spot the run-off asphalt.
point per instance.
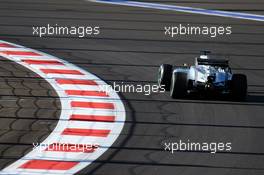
(129, 49)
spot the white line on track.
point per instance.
(247, 16)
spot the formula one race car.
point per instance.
(207, 76)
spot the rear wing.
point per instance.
(212, 62)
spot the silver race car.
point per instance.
(207, 76)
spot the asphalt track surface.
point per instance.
(29, 110)
(129, 49)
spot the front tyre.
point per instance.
(164, 76)
(179, 85)
(239, 87)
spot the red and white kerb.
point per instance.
(89, 116)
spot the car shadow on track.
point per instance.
(255, 98)
(251, 99)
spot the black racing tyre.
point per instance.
(179, 85)
(239, 87)
(164, 76)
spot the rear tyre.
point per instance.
(239, 87)
(179, 85)
(164, 76)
